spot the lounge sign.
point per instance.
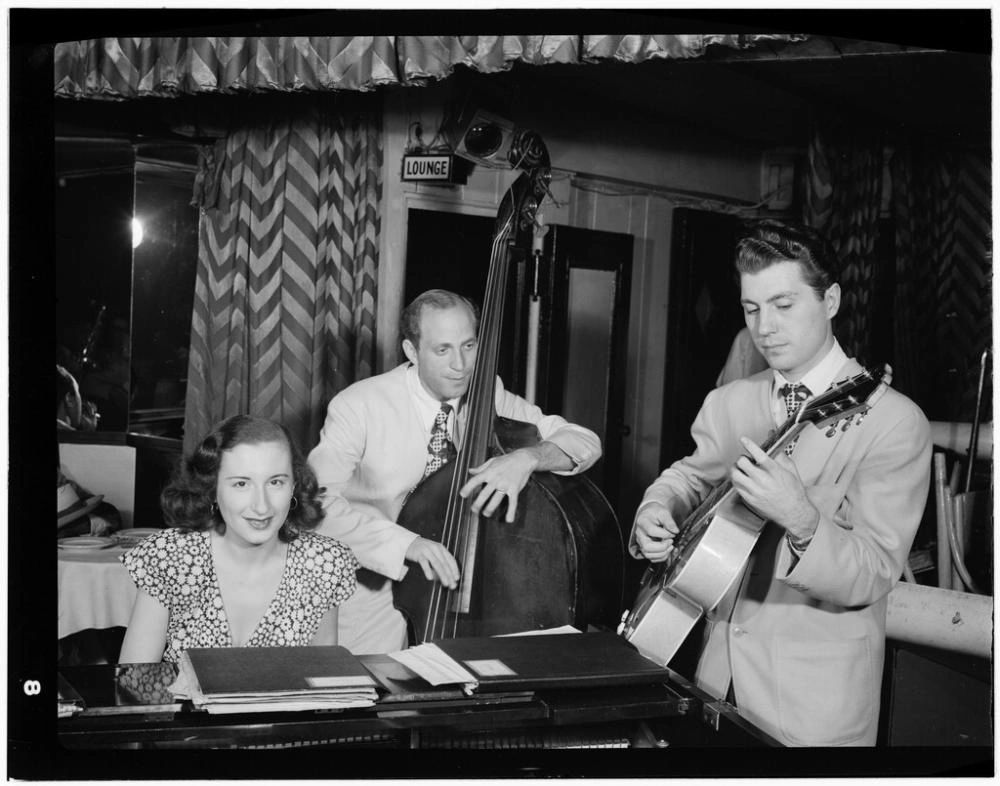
(423, 167)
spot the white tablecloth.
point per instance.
(95, 590)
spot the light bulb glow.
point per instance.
(136, 232)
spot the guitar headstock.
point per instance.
(854, 396)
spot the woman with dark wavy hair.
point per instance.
(239, 565)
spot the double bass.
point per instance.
(561, 561)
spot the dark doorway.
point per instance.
(703, 317)
(452, 251)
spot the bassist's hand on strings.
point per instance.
(654, 531)
(502, 477)
(772, 487)
(436, 561)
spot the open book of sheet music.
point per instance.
(272, 679)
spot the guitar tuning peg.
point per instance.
(832, 430)
(860, 416)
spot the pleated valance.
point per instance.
(124, 68)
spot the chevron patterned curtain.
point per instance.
(842, 200)
(941, 203)
(284, 313)
(123, 68)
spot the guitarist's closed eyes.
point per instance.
(791, 521)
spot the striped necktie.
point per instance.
(793, 394)
(440, 449)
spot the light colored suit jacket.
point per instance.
(803, 641)
(372, 452)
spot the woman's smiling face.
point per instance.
(254, 491)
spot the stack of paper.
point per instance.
(437, 668)
(273, 679)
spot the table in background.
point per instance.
(95, 590)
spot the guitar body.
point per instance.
(710, 564)
(674, 595)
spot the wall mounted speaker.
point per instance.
(484, 138)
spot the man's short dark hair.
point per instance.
(767, 242)
(409, 321)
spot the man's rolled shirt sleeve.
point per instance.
(379, 544)
(581, 444)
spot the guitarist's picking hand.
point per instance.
(772, 487)
(654, 532)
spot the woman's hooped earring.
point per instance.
(294, 505)
(215, 509)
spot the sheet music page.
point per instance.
(544, 631)
(186, 684)
(435, 666)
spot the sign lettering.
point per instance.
(419, 167)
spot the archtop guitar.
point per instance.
(714, 542)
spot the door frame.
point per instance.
(564, 249)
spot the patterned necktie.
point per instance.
(440, 449)
(793, 394)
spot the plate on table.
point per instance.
(133, 537)
(86, 542)
(138, 532)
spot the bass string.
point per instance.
(455, 535)
(483, 383)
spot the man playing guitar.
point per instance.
(799, 640)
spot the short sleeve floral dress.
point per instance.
(176, 567)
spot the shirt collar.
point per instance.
(822, 375)
(426, 403)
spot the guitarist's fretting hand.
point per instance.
(773, 488)
(654, 532)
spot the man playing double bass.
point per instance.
(382, 435)
(798, 642)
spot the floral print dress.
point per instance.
(176, 567)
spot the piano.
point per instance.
(129, 707)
